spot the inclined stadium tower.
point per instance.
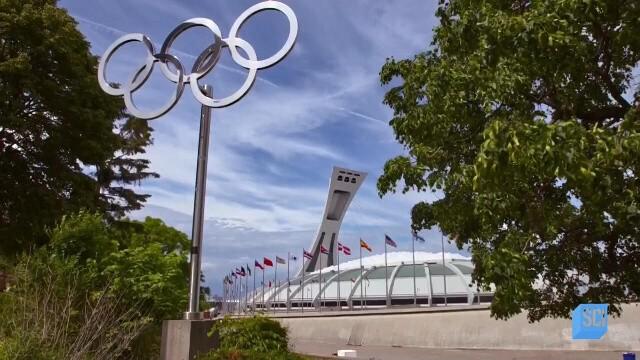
(318, 284)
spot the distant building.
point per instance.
(354, 287)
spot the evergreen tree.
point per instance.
(64, 144)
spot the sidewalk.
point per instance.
(403, 353)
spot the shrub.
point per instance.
(98, 288)
(258, 338)
(50, 313)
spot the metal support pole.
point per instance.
(193, 313)
(386, 276)
(254, 287)
(288, 280)
(224, 296)
(275, 287)
(339, 302)
(320, 293)
(302, 283)
(444, 269)
(361, 279)
(413, 252)
(237, 297)
(246, 293)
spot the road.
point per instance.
(404, 353)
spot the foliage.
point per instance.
(64, 144)
(22, 348)
(145, 261)
(95, 279)
(51, 313)
(257, 333)
(230, 354)
(251, 338)
(523, 114)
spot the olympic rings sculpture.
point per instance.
(204, 63)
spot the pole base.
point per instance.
(188, 315)
(185, 339)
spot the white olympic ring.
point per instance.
(205, 62)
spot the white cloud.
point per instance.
(299, 119)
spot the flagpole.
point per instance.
(254, 287)
(444, 269)
(224, 295)
(238, 290)
(275, 286)
(320, 282)
(246, 293)
(302, 284)
(361, 277)
(339, 302)
(263, 304)
(288, 280)
(386, 275)
(413, 252)
(233, 296)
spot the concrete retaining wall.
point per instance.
(462, 329)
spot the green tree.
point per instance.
(137, 268)
(525, 116)
(147, 261)
(64, 144)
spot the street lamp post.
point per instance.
(175, 73)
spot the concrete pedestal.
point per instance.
(185, 339)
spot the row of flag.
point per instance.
(266, 262)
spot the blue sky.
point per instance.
(271, 154)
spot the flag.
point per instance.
(242, 272)
(280, 260)
(417, 237)
(294, 258)
(344, 248)
(248, 270)
(269, 283)
(307, 254)
(234, 275)
(258, 265)
(268, 262)
(324, 250)
(238, 272)
(389, 241)
(364, 245)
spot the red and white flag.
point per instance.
(307, 255)
(324, 250)
(344, 248)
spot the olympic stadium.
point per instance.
(354, 287)
(322, 283)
